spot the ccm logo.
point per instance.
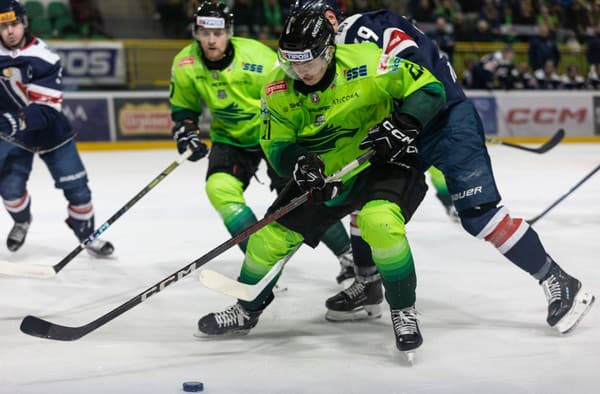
(546, 115)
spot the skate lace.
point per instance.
(405, 321)
(355, 290)
(234, 315)
(18, 232)
(552, 289)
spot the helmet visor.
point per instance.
(300, 65)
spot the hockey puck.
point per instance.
(193, 386)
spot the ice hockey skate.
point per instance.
(362, 300)
(16, 236)
(568, 302)
(406, 329)
(346, 267)
(235, 320)
(98, 247)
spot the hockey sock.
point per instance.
(20, 208)
(81, 219)
(401, 293)
(237, 218)
(439, 183)
(336, 238)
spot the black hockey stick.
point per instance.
(551, 143)
(555, 203)
(38, 327)
(47, 271)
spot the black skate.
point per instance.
(96, 248)
(568, 302)
(406, 329)
(359, 301)
(346, 267)
(100, 248)
(16, 236)
(234, 320)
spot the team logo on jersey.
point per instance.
(186, 61)
(274, 87)
(355, 72)
(222, 94)
(257, 68)
(232, 114)
(319, 120)
(315, 98)
(395, 41)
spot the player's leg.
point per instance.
(229, 172)
(70, 176)
(443, 195)
(477, 199)
(15, 167)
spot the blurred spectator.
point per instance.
(542, 48)
(247, 18)
(361, 6)
(577, 17)
(495, 70)
(490, 12)
(546, 77)
(271, 19)
(443, 39)
(522, 78)
(88, 17)
(594, 77)
(571, 79)
(169, 13)
(422, 10)
(462, 28)
(483, 33)
(523, 12)
(592, 53)
(467, 75)
(548, 18)
(448, 9)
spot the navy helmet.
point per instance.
(12, 10)
(319, 6)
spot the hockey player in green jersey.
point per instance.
(227, 73)
(318, 108)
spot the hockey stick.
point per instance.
(551, 143)
(38, 327)
(48, 271)
(555, 203)
(225, 285)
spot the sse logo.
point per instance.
(257, 68)
(356, 72)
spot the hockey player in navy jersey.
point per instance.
(31, 121)
(454, 142)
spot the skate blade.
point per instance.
(362, 313)
(583, 303)
(238, 333)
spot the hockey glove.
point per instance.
(186, 134)
(308, 175)
(10, 124)
(393, 139)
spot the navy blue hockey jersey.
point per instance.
(397, 36)
(31, 85)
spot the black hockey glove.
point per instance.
(393, 139)
(186, 134)
(308, 175)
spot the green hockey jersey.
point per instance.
(333, 122)
(232, 94)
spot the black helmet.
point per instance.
(305, 36)
(213, 15)
(12, 10)
(317, 6)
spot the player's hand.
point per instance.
(186, 134)
(308, 175)
(392, 139)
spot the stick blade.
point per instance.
(220, 283)
(552, 142)
(26, 270)
(41, 328)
